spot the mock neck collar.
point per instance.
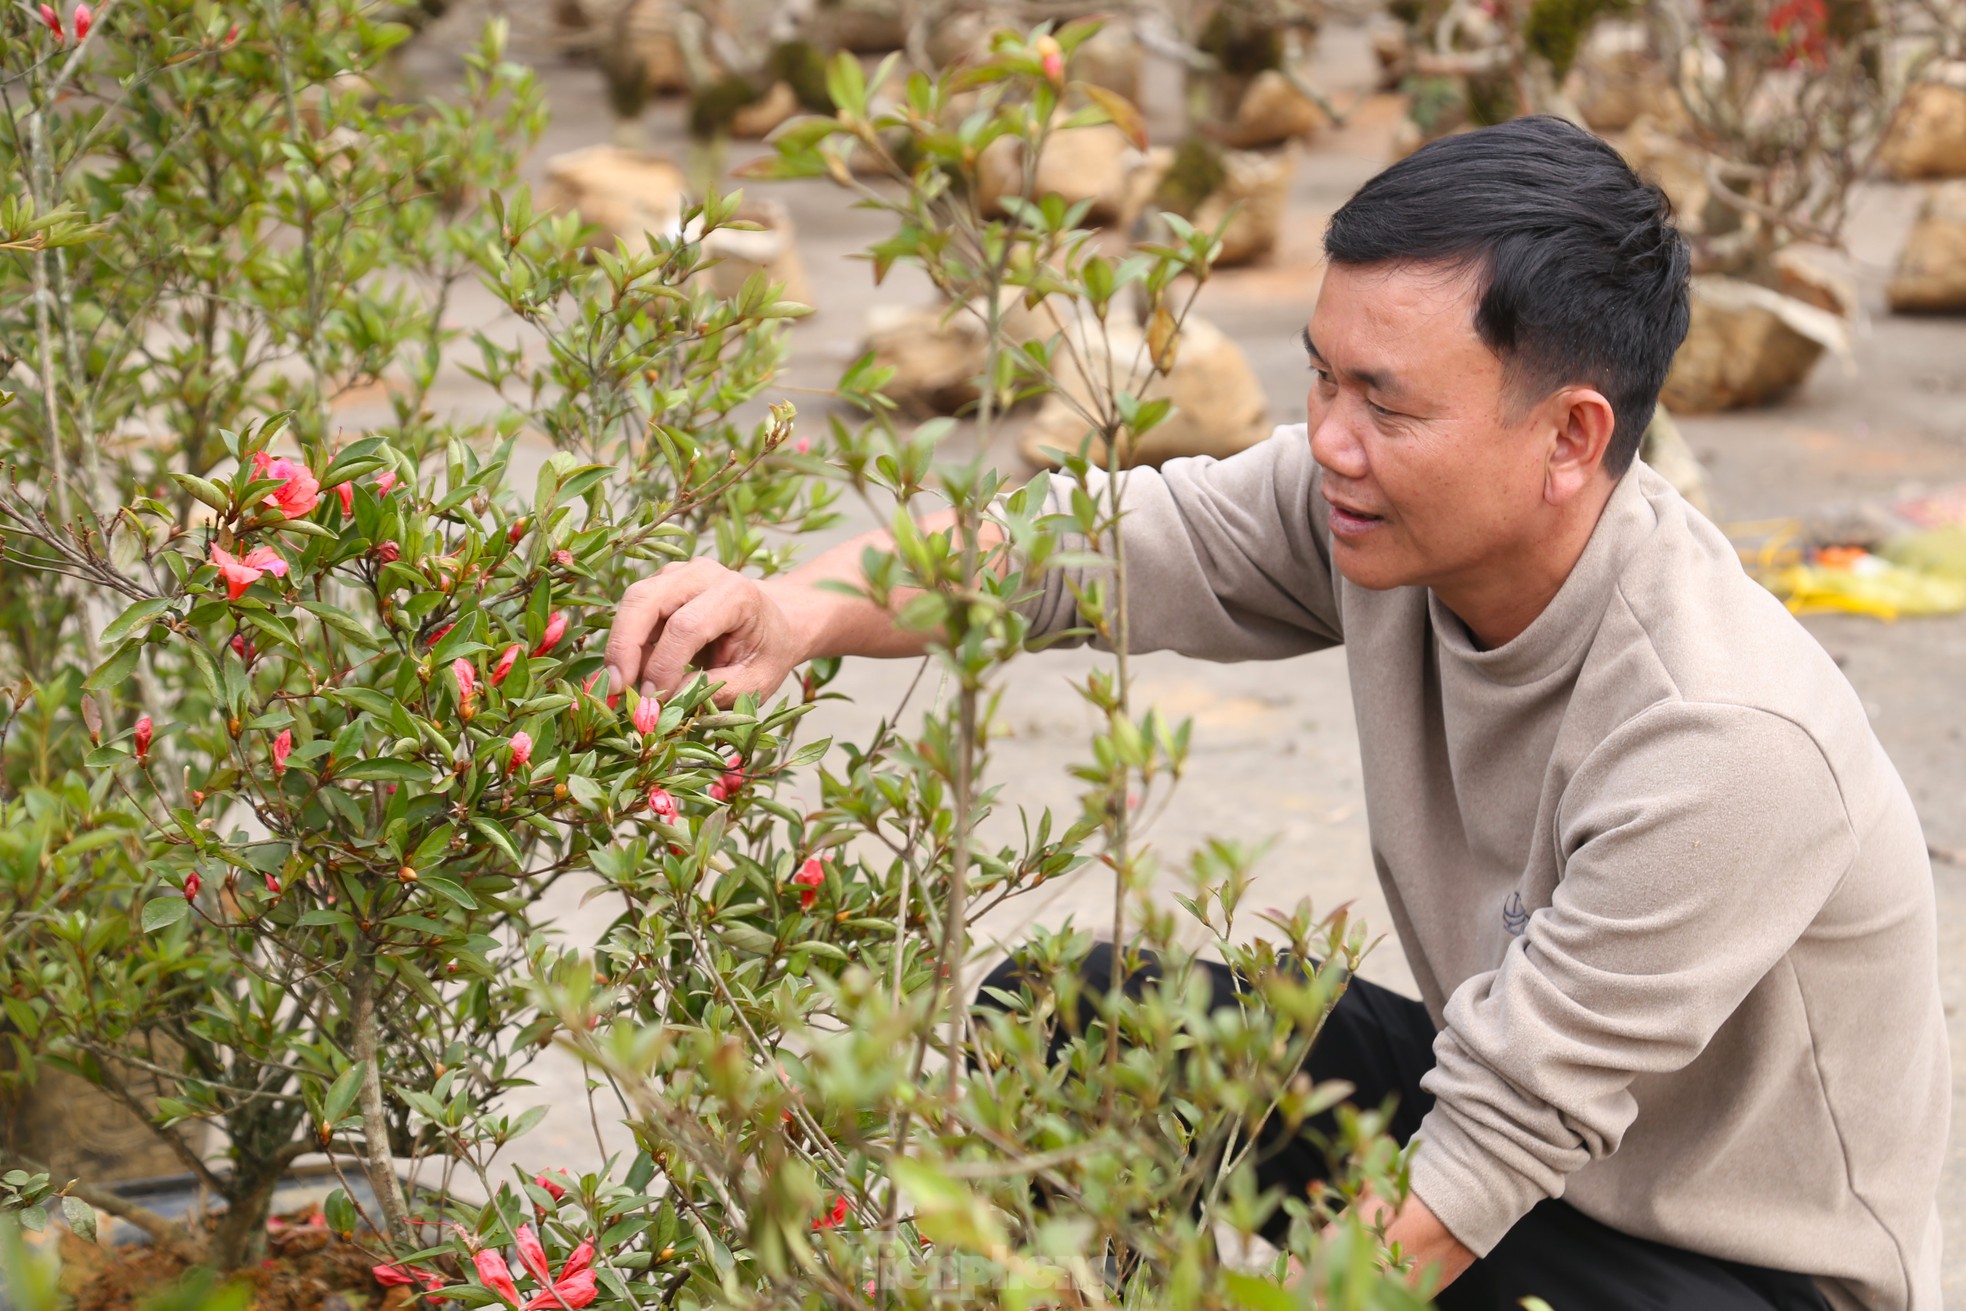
(1557, 635)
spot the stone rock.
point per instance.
(1819, 276)
(1665, 449)
(1110, 59)
(1219, 407)
(862, 26)
(1616, 77)
(1927, 138)
(773, 251)
(761, 118)
(1746, 345)
(1931, 276)
(624, 193)
(1097, 164)
(1273, 111)
(936, 353)
(1259, 184)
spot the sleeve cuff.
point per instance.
(1477, 1197)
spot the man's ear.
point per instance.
(1584, 422)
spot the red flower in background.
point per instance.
(1801, 32)
(835, 1217)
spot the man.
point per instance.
(1666, 900)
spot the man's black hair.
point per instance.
(1581, 273)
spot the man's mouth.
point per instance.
(1349, 520)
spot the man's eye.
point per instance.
(1323, 378)
(1382, 411)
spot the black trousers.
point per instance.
(1381, 1043)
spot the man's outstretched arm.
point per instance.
(749, 633)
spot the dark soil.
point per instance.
(307, 1268)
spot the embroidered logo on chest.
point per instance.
(1515, 916)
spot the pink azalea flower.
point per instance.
(556, 628)
(384, 481)
(240, 574)
(283, 746)
(299, 490)
(494, 1274)
(506, 659)
(546, 1181)
(575, 1291)
(532, 1255)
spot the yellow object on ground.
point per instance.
(1866, 584)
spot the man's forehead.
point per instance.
(1399, 314)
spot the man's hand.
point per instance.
(1422, 1239)
(735, 628)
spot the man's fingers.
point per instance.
(688, 630)
(639, 617)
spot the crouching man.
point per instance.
(1679, 1041)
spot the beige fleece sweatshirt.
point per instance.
(1663, 893)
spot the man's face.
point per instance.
(1433, 477)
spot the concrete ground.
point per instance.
(1276, 746)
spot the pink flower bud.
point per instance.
(515, 532)
(143, 732)
(802, 446)
(345, 493)
(283, 746)
(384, 481)
(556, 628)
(563, 558)
(467, 678)
(52, 19)
(232, 34)
(191, 885)
(583, 1256)
(506, 659)
(662, 804)
(387, 552)
(521, 744)
(809, 878)
(716, 792)
(438, 636)
(548, 1181)
(648, 713)
(83, 18)
(273, 885)
(532, 1255)
(495, 1274)
(242, 648)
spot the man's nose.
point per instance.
(1334, 443)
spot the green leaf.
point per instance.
(162, 912)
(341, 1094)
(947, 1212)
(204, 490)
(137, 615)
(81, 1217)
(387, 770)
(115, 671)
(496, 835)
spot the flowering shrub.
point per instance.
(343, 727)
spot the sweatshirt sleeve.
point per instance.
(1226, 559)
(1699, 842)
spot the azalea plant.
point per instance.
(314, 722)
